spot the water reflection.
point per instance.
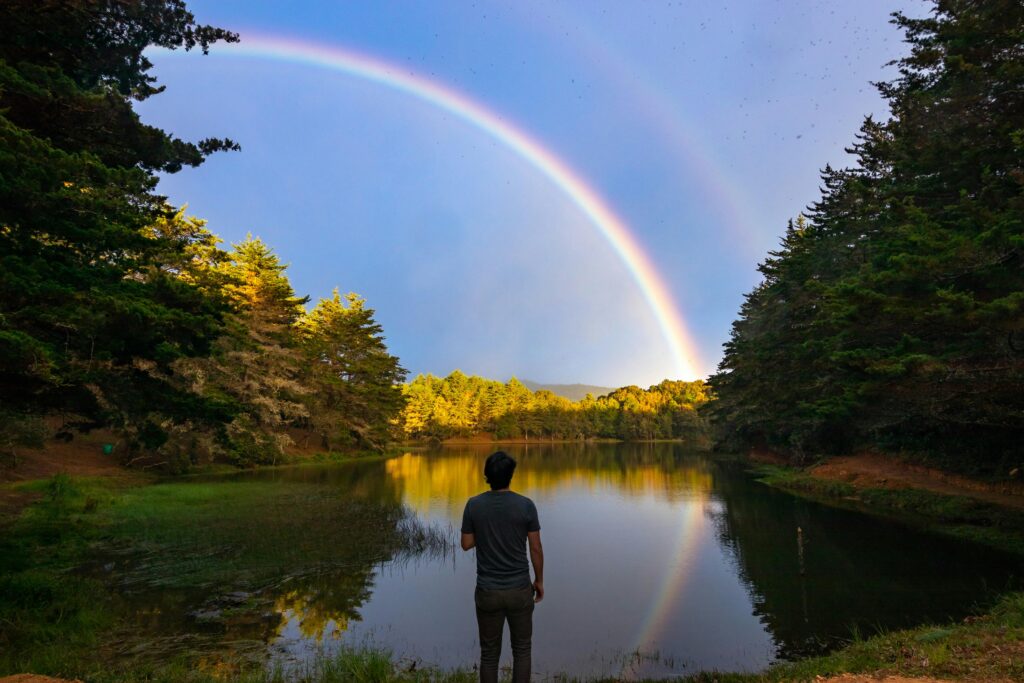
(660, 561)
(817, 574)
(441, 482)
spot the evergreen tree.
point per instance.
(89, 321)
(256, 365)
(892, 318)
(355, 383)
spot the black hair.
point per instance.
(498, 470)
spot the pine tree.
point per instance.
(890, 319)
(256, 366)
(89, 323)
(355, 383)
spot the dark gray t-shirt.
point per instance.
(500, 521)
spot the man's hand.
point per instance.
(537, 557)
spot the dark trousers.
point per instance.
(492, 609)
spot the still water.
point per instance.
(658, 561)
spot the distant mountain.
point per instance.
(573, 392)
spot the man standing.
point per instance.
(498, 524)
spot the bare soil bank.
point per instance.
(876, 471)
(862, 678)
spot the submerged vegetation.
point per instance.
(219, 543)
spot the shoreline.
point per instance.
(940, 502)
(988, 646)
(469, 441)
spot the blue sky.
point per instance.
(703, 125)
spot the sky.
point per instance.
(698, 128)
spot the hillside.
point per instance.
(573, 392)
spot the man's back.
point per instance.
(499, 524)
(500, 521)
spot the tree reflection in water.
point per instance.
(819, 575)
(306, 548)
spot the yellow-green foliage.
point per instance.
(461, 405)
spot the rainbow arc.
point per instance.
(615, 231)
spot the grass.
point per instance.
(347, 666)
(292, 461)
(192, 539)
(958, 516)
(54, 620)
(985, 648)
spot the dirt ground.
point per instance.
(869, 678)
(872, 470)
(844, 678)
(82, 456)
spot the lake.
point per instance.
(659, 561)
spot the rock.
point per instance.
(205, 615)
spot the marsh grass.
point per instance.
(60, 559)
(214, 536)
(346, 666)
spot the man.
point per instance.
(499, 523)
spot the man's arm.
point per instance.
(468, 529)
(537, 557)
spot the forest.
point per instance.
(888, 325)
(118, 310)
(892, 315)
(460, 406)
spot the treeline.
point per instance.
(460, 406)
(117, 310)
(892, 315)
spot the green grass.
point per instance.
(53, 619)
(348, 666)
(193, 538)
(986, 648)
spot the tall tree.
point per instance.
(89, 321)
(356, 384)
(256, 366)
(893, 318)
(461, 405)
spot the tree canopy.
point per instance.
(459, 405)
(88, 314)
(117, 309)
(892, 315)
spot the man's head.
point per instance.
(498, 470)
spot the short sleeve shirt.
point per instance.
(500, 520)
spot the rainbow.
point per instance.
(679, 568)
(685, 356)
(654, 103)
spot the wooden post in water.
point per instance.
(800, 550)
